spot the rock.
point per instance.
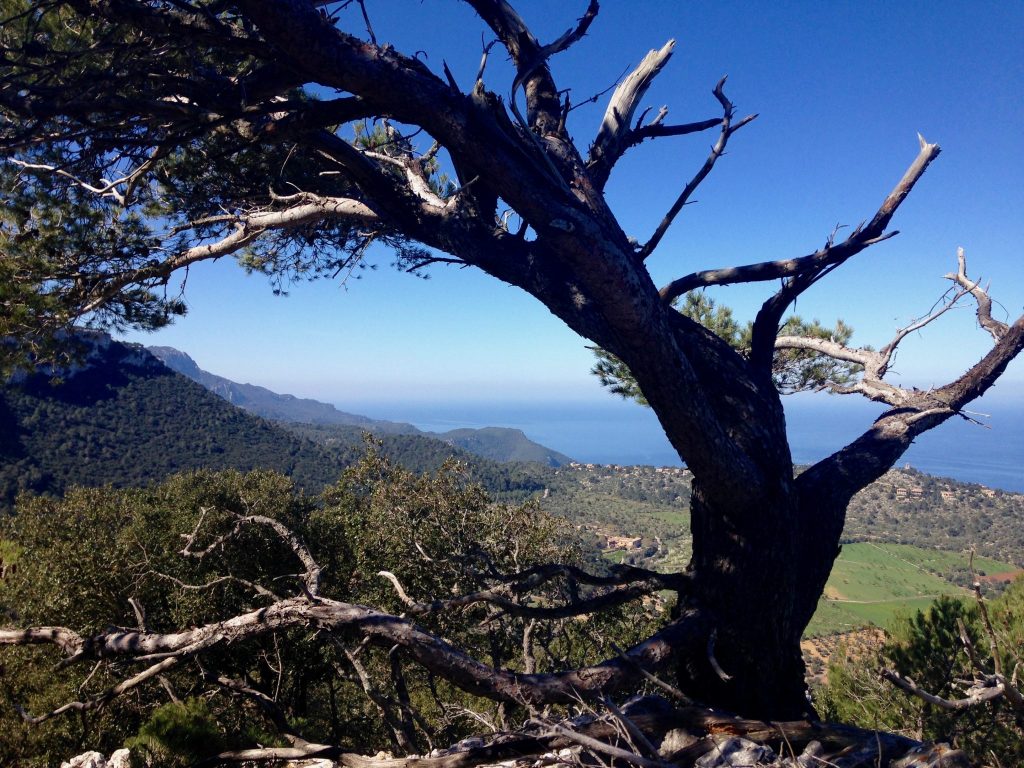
(119, 759)
(86, 760)
(734, 752)
(811, 756)
(676, 740)
(934, 756)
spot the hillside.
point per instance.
(907, 537)
(271, 405)
(502, 444)
(126, 419)
(495, 443)
(903, 506)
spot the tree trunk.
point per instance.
(757, 568)
(745, 583)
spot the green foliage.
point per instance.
(792, 370)
(127, 420)
(85, 559)
(115, 193)
(696, 305)
(927, 649)
(383, 138)
(797, 370)
(178, 733)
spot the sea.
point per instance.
(619, 432)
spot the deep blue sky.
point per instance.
(842, 89)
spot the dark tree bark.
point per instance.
(228, 76)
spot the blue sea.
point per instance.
(617, 432)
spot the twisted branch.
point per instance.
(728, 129)
(995, 328)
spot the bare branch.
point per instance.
(67, 640)
(428, 650)
(573, 34)
(266, 703)
(613, 135)
(976, 696)
(112, 693)
(419, 185)
(595, 745)
(383, 703)
(728, 129)
(985, 319)
(870, 455)
(311, 578)
(944, 305)
(803, 273)
(671, 690)
(247, 228)
(875, 363)
(257, 588)
(530, 58)
(629, 584)
(751, 273)
(106, 189)
(635, 733)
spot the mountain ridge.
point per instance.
(122, 417)
(269, 404)
(501, 444)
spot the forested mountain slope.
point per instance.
(126, 419)
(332, 425)
(123, 418)
(271, 405)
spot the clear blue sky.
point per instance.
(842, 89)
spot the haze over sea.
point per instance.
(616, 432)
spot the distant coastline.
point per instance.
(616, 432)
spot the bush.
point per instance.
(927, 649)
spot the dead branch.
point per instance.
(830, 255)
(631, 584)
(728, 129)
(636, 734)
(257, 588)
(268, 705)
(985, 319)
(976, 695)
(601, 748)
(802, 273)
(311, 577)
(875, 363)
(573, 34)
(109, 695)
(314, 612)
(245, 230)
(612, 137)
(759, 272)
(428, 650)
(857, 748)
(385, 705)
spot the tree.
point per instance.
(941, 675)
(152, 136)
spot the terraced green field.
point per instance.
(875, 583)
